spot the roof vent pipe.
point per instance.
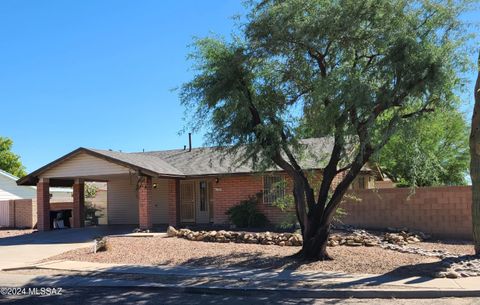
(189, 141)
(184, 147)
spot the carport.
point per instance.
(144, 190)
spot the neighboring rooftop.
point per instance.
(14, 178)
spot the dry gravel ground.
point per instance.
(452, 246)
(14, 232)
(182, 252)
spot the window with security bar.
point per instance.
(273, 189)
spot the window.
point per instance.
(203, 196)
(273, 189)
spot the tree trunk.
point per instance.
(315, 241)
(475, 165)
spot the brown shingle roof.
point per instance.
(210, 161)
(197, 162)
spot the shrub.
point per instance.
(246, 215)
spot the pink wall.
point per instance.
(441, 211)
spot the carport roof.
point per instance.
(145, 164)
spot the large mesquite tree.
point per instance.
(350, 70)
(475, 164)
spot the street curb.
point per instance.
(339, 293)
(308, 293)
(21, 268)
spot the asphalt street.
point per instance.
(105, 295)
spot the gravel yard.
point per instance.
(14, 232)
(176, 251)
(454, 247)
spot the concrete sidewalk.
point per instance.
(238, 279)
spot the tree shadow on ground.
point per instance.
(416, 274)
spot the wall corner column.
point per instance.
(145, 203)
(78, 217)
(43, 205)
(173, 202)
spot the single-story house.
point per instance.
(183, 186)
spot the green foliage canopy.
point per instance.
(354, 71)
(431, 151)
(344, 67)
(9, 161)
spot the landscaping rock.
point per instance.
(171, 231)
(100, 244)
(452, 274)
(403, 238)
(396, 241)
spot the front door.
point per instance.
(203, 202)
(187, 201)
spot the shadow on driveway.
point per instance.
(64, 236)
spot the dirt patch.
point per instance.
(181, 252)
(451, 246)
(14, 232)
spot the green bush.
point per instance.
(246, 215)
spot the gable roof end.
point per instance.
(150, 166)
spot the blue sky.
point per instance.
(100, 73)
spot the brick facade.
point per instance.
(441, 211)
(43, 205)
(230, 190)
(78, 213)
(173, 201)
(145, 203)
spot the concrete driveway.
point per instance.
(24, 250)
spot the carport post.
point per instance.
(145, 203)
(78, 203)
(43, 205)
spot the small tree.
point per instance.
(9, 161)
(475, 164)
(90, 190)
(353, 71)
(90, 209)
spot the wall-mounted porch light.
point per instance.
(154, 185)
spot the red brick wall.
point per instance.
(43, 204)
(172, 201)
(57, 206)
(440, 211)
(145, 203)
(230, 190)
(78, 212)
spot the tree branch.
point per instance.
(320, 59)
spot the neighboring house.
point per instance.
(173, 186)
(17, 203)
(9, 190)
